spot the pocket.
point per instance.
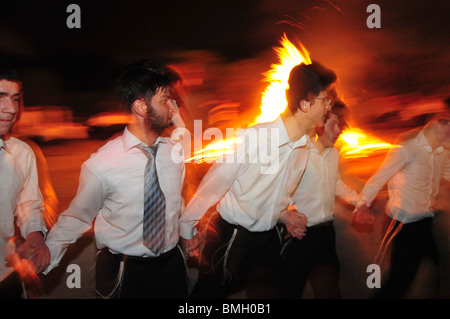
(109, 275)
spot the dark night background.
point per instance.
(78, 67)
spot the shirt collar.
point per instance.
(284, 136)
(314, 148)
(423, 142)
(4, 145)
(130, 141)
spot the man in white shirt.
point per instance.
(20, 197)
(113, 191)
(251, 188)
(314, 256)
(414, 172)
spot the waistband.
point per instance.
(245, 230)
(321, 226)
(144, 260)
(424, 222)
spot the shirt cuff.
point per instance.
(187, 232)
(30, 228)
(358, 205)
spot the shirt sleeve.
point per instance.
(214, 185)
(212, 188)
(447, 169)
(395, 160)
(30, 206)
(345, 192)
(78, 217)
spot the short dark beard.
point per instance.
(155, 122)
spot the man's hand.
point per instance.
(177, 120)
(35, 249)
(363, 215)
(191, 246)
(295, 223)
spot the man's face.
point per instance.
(10, 95)
(330, 132)
(319, 108)
(161, 110)
(444, 132)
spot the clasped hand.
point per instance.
(295, 223)
(363, 215)
(33, 249)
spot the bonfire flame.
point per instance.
(214, 150)
(354, 142)
(273, 100)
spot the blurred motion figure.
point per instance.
(314, 256)
(20, 197)
(132, 187)
(252, 196)
(414, 171)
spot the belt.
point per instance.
(145, 260)
(321, 226)
(245, 230)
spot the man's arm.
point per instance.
(78, 218)
(362, 215)
(214, 185)
(30, 219)
(345, 192)
(447, 169)
(212, 188)
(395, 160)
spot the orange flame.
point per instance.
(214, 150)
(273, 100)
(356, 143)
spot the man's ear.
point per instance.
(304, 106)
(139, 107)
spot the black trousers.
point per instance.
(413, 242)
(235, 259)
(126, 277)
(313, 257)
(11, 287)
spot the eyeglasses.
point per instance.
(326, 99)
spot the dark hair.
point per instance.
(10, 73)
(447, 103)
(307, 79)
(143, 80)
(341, 110)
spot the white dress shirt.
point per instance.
(252, 186)
(111, 190)
(414, 172)
(19, 196)
(321, 182)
